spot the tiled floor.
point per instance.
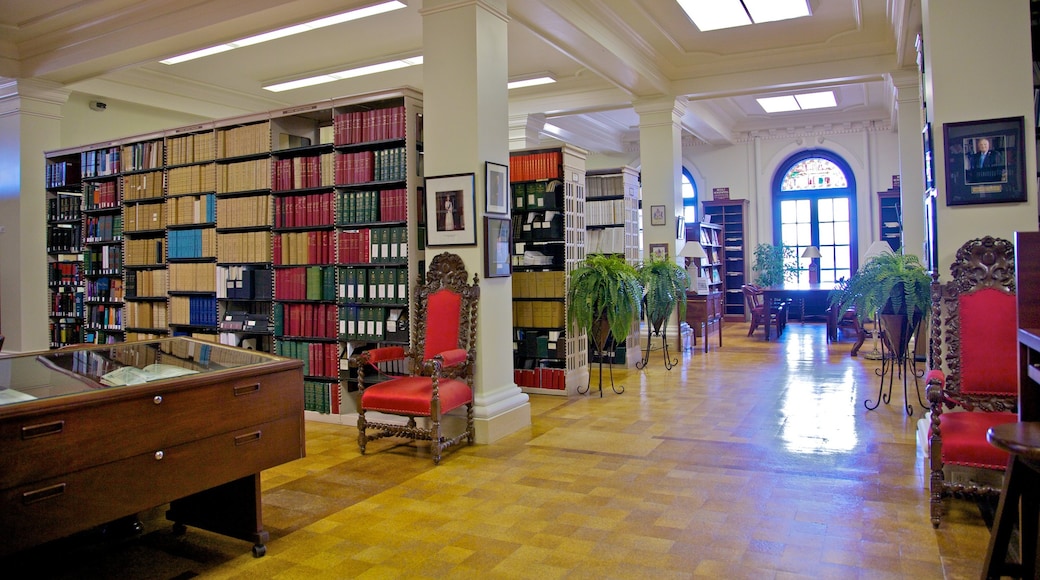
(756, 460)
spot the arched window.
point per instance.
(689, 197)
(814, 205)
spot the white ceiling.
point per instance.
(604, 53)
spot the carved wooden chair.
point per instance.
(763, 314)
(974, 330)
(440, 359)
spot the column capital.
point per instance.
(525, 130)
(906, 85)
(32, 96)
(660, 109)
(496, 7)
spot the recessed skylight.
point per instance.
(344, 74)
(541, 79)
(718, 14)
(803, 102)
(289, 31)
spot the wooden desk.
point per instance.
(78, 454)
(799, 292)
(704, 314)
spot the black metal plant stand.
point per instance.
(601, 340)
(659, 328)
(897, 362)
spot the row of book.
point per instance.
(373, 125)
(373, 323)
(541, 378)
(302, 248)
(320, 359)
(64, 207)
(387, 285)
(244, 322)
(605, 213)
(244, 212)
(193, 310)
(193, 148)
(604, 186)
(244, 283)
(546, 284)
(65, 238)
(143, 186)
(105, 289)
(194, 209)
(538, 226)
(103, 260)
(144, 155)
(531, 166)
(529, 314)
(191, 179)
(304, 172)
(101, 336)
(100, 162)
(145, 252)
(244, 140)
(373, 245)
(146, 315)
(193, 277)
(146, 283)
(359, 207)
(605, 241)
(244, 176)
(537, 194)
(310, 283)
(66, 330)
(294, 211)
(195, 243)
(321, 397)
(304, 320)
(244, 247)
(67, 301)
(101, 195)
(368, 166)
(64, 274)
(62, 174)
(104, 316)
(104, 228)
(538, 344)
(145, 216)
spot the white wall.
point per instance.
(81, 125)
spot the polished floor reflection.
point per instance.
(755, 460)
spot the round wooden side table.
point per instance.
(1021, 484)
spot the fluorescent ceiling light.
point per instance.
(531, 82)
(803, 102)
(289, 31)
(345, 74)
(717, 14)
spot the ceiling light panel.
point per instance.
(344, 74)
(820, 100)
(778, 104)
(773, 10)
(715, 14)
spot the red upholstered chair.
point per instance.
(763, 314)
(974, 330)
(440, 360)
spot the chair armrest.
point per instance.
(456, 357)
(377, 355)
(935, 389)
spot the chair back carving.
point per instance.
(446, 313)
(974, 321)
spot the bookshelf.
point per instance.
(731, 216)
(705, 306)
(65, 280)
(240, 231)
(890, 217)
(144, 230)
(612, 227)
(549, 232)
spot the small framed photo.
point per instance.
(497, 184)
(984, 161)
(450, 213)
(659, 250)
(498, 241)
(657, 215)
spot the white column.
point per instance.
(465, 106)
(30, 123)
(525, 130)
(907, 93)
(978, 66)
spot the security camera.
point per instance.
(98, 105)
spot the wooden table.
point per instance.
(704, 314)
(78, 453)
(796, 291)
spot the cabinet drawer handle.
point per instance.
(247, 438)
(159, 455)
(157, 399)
(43, 429)
(42, 494)
(246, 389)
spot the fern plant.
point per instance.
(894, 283)
(664, 285)
(604, 286)
(774, 265)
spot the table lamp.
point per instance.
(813, 253)
(692, 251)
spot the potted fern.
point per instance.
(664, 285)
(774, 265)
(894, 284)
(604, 295)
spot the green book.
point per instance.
(314, 283)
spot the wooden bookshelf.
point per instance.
(731, 215)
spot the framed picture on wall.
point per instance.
(498, 240)
(659, 250)
(657, 215)
(984, 161)
(450, 213)
(497, 185)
